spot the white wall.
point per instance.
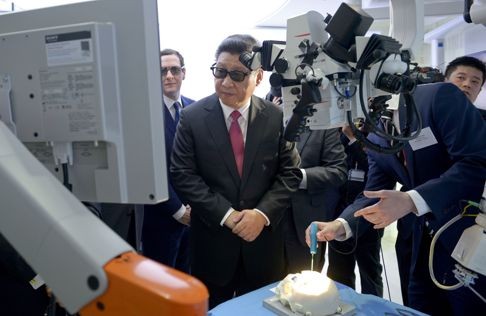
(198, 44)
(196, 35)
(197, 30)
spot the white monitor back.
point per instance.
(80, 83)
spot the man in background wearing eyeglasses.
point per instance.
(165, 229)
(233, 166)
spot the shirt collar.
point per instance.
(227, 110)
(170, 103)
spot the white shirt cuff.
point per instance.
(303, 183)
(231, 210)
(420, 204)
(263, 214)
(347, 229)
(351, 141)
(178, 215)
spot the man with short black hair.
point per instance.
(443, 168)
(232, 164)
(468, 74)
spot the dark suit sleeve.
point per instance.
(174, 203)
(195, 180)
(456, 124)
(12, 263)
(188, 182)
(377, 180)
(332, 169)
(287, 180)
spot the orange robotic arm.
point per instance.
(89, 268)
(140, 286)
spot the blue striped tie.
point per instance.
(177, 107)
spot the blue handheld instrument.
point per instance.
(313, 245)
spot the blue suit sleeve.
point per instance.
(456, 124)
(173, 204)
(377, 180)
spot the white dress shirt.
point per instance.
(169, 103)
(243, 122)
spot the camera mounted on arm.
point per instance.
(327, 67)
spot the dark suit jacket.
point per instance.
(204, 173)
(17, 297)
(174, 203)
(161, 233)
(322, 156)
(356, 158)
(13, 264)
(445, 173)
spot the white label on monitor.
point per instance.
(69, 48)
(69, 100)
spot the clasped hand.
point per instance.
(247, 224)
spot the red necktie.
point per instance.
(236, 137)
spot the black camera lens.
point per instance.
(408, 84)
(395, 83)
(389, 83)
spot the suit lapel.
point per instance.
(219, 134)
(257, 120)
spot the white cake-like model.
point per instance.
(309, 293)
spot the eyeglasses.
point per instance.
(174, 70)
(235, 75)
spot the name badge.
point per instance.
(425, 139)
(356, 175)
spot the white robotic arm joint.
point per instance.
(325, 63)
(475, 11)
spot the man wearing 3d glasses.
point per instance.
(231, 163)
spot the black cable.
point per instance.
(399, 141)
(354, 246)
(410, 106)
(339, 92)
(378, 148)
(302, 66)
(93, 209)
(386, 274)
(65, 177)
(372, 122)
